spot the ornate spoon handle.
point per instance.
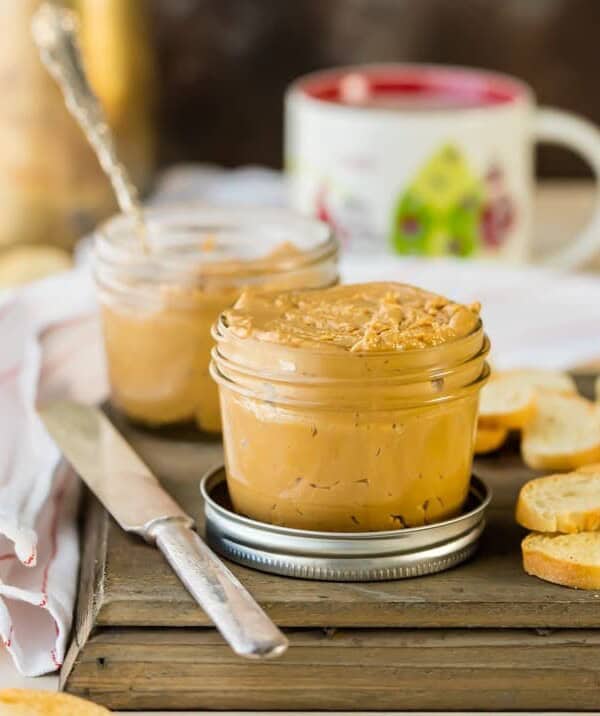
(54, 30)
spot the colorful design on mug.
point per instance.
(347, 215)
(447, 209)
(498, 215)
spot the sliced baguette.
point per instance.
(25, 702)
(489, 439)
(504, 405)
(562, 503)
(509, 398)
(570, 560)
(564, 434)
(590, 469)
(543, 379)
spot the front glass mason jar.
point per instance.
(158, 304)
(350, 441)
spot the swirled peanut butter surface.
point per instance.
(331, 447)
(357, 318)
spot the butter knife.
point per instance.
(135, 498)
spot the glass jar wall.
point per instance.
(325, 436)
(158, 305)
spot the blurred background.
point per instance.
(203, 80)
(223, 65)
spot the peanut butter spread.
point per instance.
(363, 318)
(355, 431)
(158, 353)
(158, 358)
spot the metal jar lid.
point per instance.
(341, 556)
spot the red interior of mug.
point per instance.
(412, 87)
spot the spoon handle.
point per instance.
(54, 30)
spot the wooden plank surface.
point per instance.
(139, 589)
(347, 670)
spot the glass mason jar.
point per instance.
(348, 442)
(158, 305)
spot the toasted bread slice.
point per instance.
(543, 379)
(23, 702)
(506, 405)
(571, 560)
(509, 398)
(590, 469)
(562, 503)
(489, 439)
(564, 434)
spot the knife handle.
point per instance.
(241, 621)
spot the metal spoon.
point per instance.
(54, 30)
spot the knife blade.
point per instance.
(134, 497)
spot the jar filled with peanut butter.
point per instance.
(159, 297)
(349, 409)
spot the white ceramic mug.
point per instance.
(425, 159)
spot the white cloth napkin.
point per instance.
(42, 354)
(50, 346)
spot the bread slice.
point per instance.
(562, 503)
(564, 434)
(506, 405)
(571, 560)
(509, 398)
(23, 702)
(543, 379)
(489, 439)
(591, 469)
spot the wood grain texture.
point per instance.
(94, 535)
(344, 670)
(354, 646)
(491, 590)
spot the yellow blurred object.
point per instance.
(29, 263)
(52, 189)
(120, 65)
(23, 702)
(489, 439)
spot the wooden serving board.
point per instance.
(483, 636)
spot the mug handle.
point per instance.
(557, 127)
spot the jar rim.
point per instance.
(192, 243)
(301, 375)
(408, 376)
(412, 401)
(217, 333)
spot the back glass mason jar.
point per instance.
(158, 304)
